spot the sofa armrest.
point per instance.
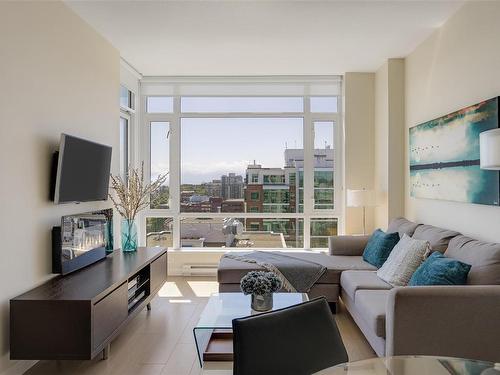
(454, 321)
(347, 245)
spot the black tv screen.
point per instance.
(82, 170)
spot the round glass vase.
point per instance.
(262, 302)
(129, 235)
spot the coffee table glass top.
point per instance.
(216, 320)
(222, 308)
(414, 365)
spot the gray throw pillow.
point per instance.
(404, 259)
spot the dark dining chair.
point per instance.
(297, 340)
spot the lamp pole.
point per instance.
(364, 220)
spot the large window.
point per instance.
(258, 169)
(124, 144)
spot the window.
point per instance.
(281, 196)
(242, 104)
(124, 145)
(251, 164)
(159, 231)
(160, 161)
(324, 104)
(274, 179)
(321, 229)
(324, 184)
(159, 104)
(126, 98)
(232, 144)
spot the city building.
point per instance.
(232, 186)
(233, 205)
(213, 188)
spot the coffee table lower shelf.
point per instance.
(220, 347)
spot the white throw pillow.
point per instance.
(403, 260)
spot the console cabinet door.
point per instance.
(109, 313)
(158, 272)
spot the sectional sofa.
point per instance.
(457, 321)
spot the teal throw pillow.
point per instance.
(379, 247)
(438, 269)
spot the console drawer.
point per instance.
(109, 313)
(158, 272)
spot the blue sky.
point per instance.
(211, 147)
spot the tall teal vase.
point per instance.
(129, 235)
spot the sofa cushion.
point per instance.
(484, 257)
(231, 270)
(438, 238)
(402, 226)
(440, 270)
(372, 307)
(405, 258)
(347, 245)
(379, 247)
(352, 281)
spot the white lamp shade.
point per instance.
(360, 198)
(489, 143)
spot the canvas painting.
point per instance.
(444, 157)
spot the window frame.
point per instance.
(174, 118)
(125, 168)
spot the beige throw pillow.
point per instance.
(404, 259)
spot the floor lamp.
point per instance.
(361, 198)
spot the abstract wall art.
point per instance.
(444, 157)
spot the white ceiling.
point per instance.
(263, 37)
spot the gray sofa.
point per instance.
(457, 321)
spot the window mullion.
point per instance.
(308, 171)
(175, 171)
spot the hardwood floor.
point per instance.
(160, 342)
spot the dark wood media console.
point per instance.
(78, 315)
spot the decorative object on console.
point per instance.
(445, 156)
(438, 269)
(132, 196)
(490, 149)
(379, 247)
(82, 239)
(361, 198)
(404, 259)
(261, 285)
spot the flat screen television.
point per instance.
(81, 171)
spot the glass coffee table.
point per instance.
(213, 334)
(414, 365)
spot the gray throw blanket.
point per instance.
(297, 275)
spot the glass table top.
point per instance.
(222, 308)
(216, 321)
(414, 365)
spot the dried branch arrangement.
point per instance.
(134, 195)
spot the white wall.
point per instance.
(381, 157)
(57, 75)
(359, 112)
(389, 142)
(457, 66)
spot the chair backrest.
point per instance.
(297, 340)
